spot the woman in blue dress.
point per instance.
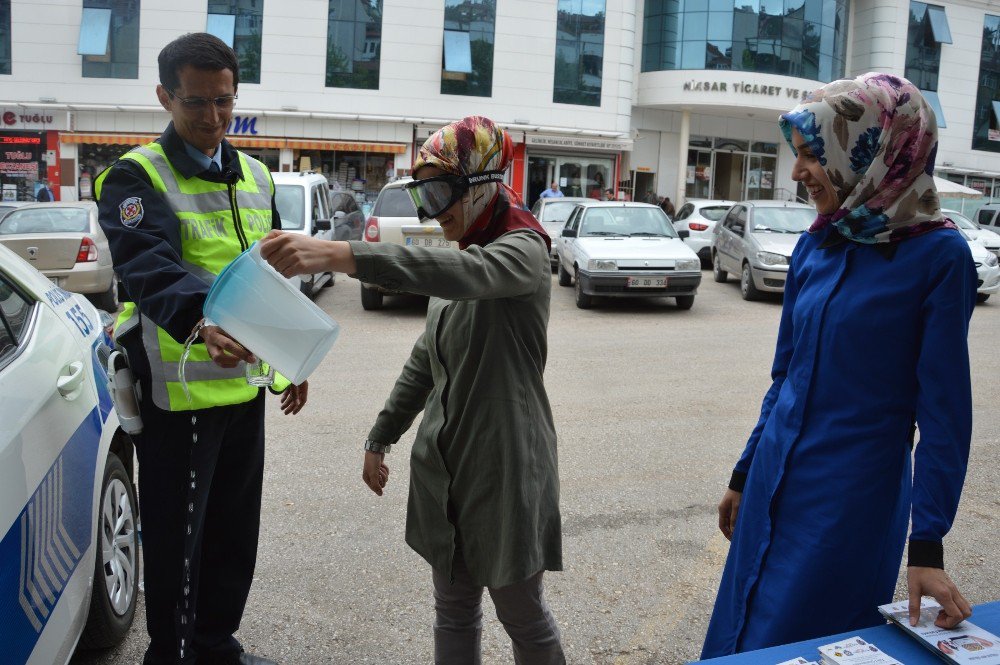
(872, 344)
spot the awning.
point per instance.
(356, 146)
(107, 139)
(255, 142)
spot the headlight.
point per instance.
(594, 265)
(687, 264)
(991, 260)
(772, 259)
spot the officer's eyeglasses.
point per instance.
(432, 196)
(224, 103)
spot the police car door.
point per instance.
(50, 430)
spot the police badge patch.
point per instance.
(131, 211)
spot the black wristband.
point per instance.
(926, 553)
(738, 481)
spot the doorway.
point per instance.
(730, 172)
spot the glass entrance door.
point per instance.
(577, 175)
(760, 177)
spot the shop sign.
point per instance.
(243, 126)
(18, 118)
(20, 155)
(744, 88)
(578, 142)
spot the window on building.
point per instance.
(477, 20)
(248, 26)
(986, 122)
(109, 39)
(354, 44)
(579, 63)
(5, 54)
(928, 29)
(804, 38)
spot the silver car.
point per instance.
(699, 216)
(755, 239)
(553, 213)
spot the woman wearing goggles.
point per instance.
(484, 487)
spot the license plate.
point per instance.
(647, 282)
(426, 241)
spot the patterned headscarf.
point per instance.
(472, 145)
(876, 138)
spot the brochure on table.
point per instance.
(854, 651)
(965, 644)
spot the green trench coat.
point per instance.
(483, 469)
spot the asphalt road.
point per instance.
(652, 406)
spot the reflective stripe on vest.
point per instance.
(210, 237)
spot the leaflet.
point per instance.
(798, 661)
(855, 651)
(965, 644)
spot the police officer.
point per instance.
(175, 212)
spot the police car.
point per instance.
(69, 549)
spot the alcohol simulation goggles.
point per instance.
(432, 196)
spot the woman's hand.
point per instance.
(294, 398)
(223, 349)
(292, 254)
(375, 473)
(729, 507)
(935, 582)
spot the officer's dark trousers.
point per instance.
(202, 605)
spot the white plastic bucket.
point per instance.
(264, 312)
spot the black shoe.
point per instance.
(250, 659)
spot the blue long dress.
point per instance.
(870, 343)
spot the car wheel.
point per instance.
(747, 288)
(371, 299)
(982, 297)
(116, 566)
(718, 274)
(565, 279)
(329, 282)
(684, 302)
(108, 301)
(583, 301)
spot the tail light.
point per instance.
(87, 252)
(372, 233)
(695, 226)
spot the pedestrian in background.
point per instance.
(609, 195)
(484, 485)
(44, 193)
(175, 213)
(667, 207)
(872, 343)
(552, 192)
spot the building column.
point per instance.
(682, 158)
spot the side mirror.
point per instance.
(683, 234)
(569, 233)
(321, 225)
(340, 214)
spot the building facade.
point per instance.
(673, 98)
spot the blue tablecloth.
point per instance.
(888, 638)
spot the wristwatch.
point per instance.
(376, 447)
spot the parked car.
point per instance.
(553, 213)
(626, 250)
(755, 240)
(67, 498)
(989, 240)
(988, 217)
(698, 217)
(394, 219)
(303, 200)
(987, 267)
(65, 242)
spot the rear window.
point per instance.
(985, 216)
(46, 220)
(394, 202)
(714, 213)
(557, 212)
(783, 220)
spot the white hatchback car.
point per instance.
(67, 501)
(698, 218)
(987, 268)
(303, 200)
(626, 250)
(987, 239)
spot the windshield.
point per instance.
(46, 220)
(395, 202)
(782, 220)
(714, 213)
(290, 200)
(961, 221)
(626, 222)
(557, 212)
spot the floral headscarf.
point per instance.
(876, 138)
(472, 145)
